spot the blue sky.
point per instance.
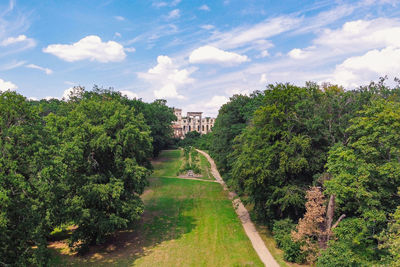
(195, 54)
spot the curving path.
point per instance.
(244, 216)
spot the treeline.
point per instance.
(81, 162)
(321, 166)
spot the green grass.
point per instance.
(168, 163)
(205, 168)
(186, 223)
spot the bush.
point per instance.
(282, 233)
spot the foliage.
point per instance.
(103, 162)
(365, 175)
(191, 162)
(295, 135)
(204, 142)
(157, 115)
(282, 233)
(390, 239)
(191, 139)
(24, 194)
(82, 161)
(351, 247)
(309, 228)
(232, 119)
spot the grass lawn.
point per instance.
(186, 223)
(168, 163)
(205, 168)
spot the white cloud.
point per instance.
(205, 8)
(175, 2)
(263, 78)
(264, 53)
(66, 93)
(90, 47)
(129, 94)
(207, 27)
(174, 14)
(166, 78)
(168, 91)
(51, 97)
(217, 101)
(209, 107)
(359, 70)
(4, 85)
(298, 53)
(120, 18)
(242, 36)
(362, 34)
(45, 70)
(209, 55)
(130, 49)
(159, 4)
(12, 65)
(117, 34)
(29, 42)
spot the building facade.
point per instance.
(192, 122)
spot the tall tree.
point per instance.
(24, 221)
(103, 153)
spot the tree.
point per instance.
(103, 163)
(315, 229)
(390, 239)
(232, 119)
(24, 204)
(365, 176)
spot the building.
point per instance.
(192, 122)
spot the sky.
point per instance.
(195, 54)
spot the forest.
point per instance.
(318, 164)
(82, 162)
(321, 167)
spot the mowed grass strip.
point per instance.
(168, 163)
(194, 224)
(185, 223)
(205, 168)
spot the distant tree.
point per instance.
(191, 139)
(232, 119)
(157, 115)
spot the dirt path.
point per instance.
(244, 216)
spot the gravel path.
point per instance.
(244, 216)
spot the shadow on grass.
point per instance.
(164, 219)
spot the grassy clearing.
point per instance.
(170, 161)
(205, 168)
(167, 163)
(186, 223)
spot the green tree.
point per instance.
(103, 163)
(232, 119)
(24, 220)
(365, 176)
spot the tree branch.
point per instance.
(338, 221)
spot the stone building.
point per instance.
(192, 122)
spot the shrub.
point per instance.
(282, 233)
